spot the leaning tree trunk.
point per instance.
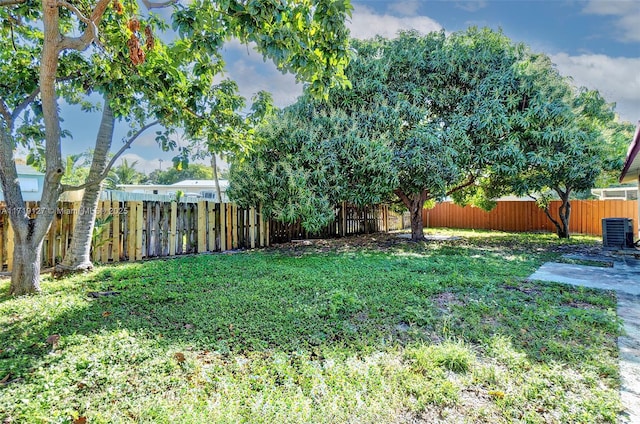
(564, 211)
(78, 256)
(564, 214)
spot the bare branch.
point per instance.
(153, 5)
(31, 97)
(26, 102)
(115, 157)
(471, 180)
(11, 2)
(90, 34)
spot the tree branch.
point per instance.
(153, 5)
(23, 105)
(90, 34)
(11, 2)
(405, 199)
(470, 181)
(115, 157)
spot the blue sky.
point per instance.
(595, 42)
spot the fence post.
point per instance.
(262, 223)
(115, 241)
(131, 230)
(139, 226)
(211, 223)
(252, 227)
(202, 226)
(173, 227)
(344, 219)
(223, 227)
(234, 223)
(107, 230)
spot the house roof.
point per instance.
(186, 184)
(631, 168)
(27, 170)
(200, 183)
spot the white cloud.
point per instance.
(367, 24)
(405, 8)
(616, 78)
(625, 12)
(253, 74)
(471, 6)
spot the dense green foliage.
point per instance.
(427, 116)
(449, 329)
(194, 171)
(69, 51)
(569, 139)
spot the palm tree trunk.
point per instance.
(78, 256)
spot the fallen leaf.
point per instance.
(53, 339)
(80, 385)
(179, 356)
(497, 394)
(80, 420)
(106, 314)
(5, 379)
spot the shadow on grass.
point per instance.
(354, 302)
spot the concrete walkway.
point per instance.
(623, 276)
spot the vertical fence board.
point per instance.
(173, 228)
(202, 226)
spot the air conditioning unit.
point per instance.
(617, 233)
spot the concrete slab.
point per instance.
(624, 278)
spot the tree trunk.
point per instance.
(417, 226)
(414, 202)
(78, 256)
(564, 211)
(25, 275)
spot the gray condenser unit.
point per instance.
(617, 233)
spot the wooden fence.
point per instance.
(522, 216)
(136, 230)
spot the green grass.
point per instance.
(389, 332)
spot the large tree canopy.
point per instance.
(437, 111)
(469, 115)
(569, 140)
(53, 48)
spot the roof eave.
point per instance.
(632, 154)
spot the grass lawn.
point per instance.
(363, 330)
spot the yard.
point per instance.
(371, 329)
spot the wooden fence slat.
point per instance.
(173, 228)
(106, 232)
(211, 225)
(139, 227)
(202, 226)
(131, 229)
(115, 230)
(223, 226)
